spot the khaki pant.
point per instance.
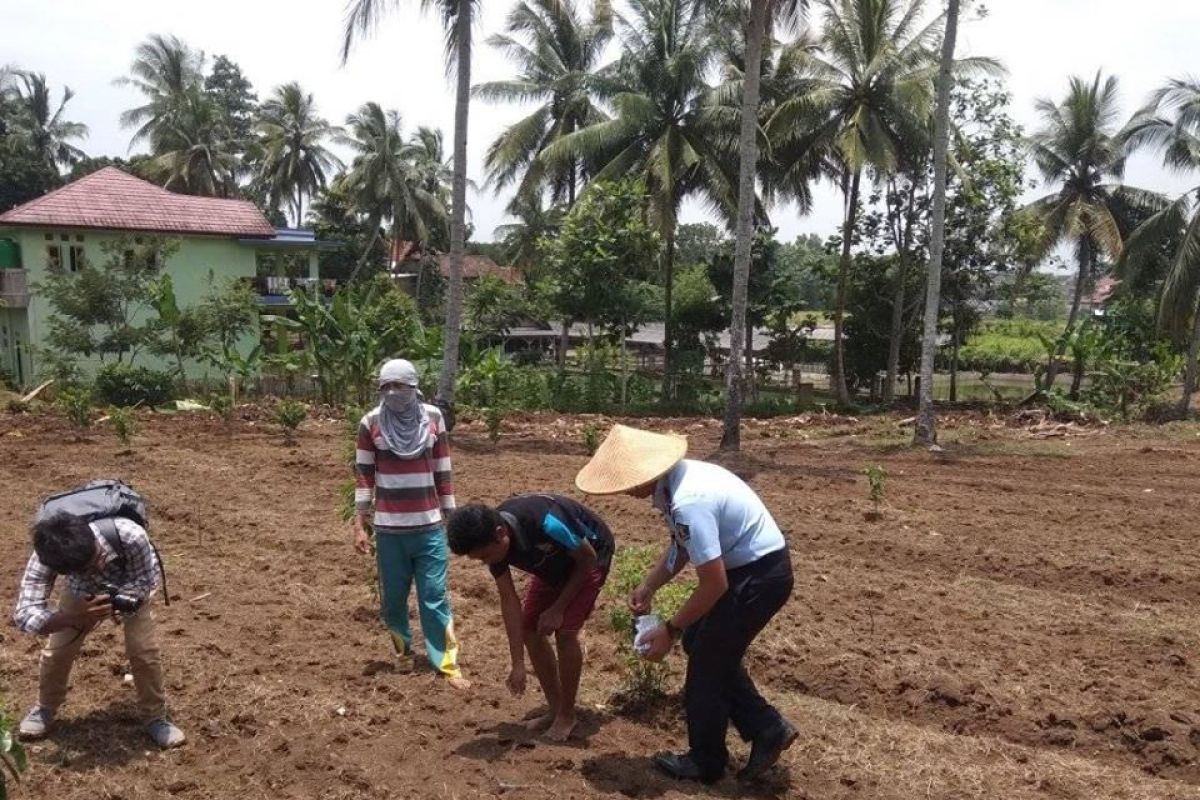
(141, 647)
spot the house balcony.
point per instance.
(14, 290)
(275, 291)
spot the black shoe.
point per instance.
(682, 767)
(767, 749)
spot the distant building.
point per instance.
(407, 259)
(64, 230)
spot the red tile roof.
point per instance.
(112, 199)
(475, 267)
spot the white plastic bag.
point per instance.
(644, 625)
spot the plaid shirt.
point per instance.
(137, 576)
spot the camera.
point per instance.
(124, 603)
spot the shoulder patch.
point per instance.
(682, 532)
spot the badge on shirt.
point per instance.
(682, 533)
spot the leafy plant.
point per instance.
(591, 437)
(121, 384)
(643, 681)
(123, 422)
(12, 755)
(876, 480)
(222, 405)
(289, 414)
(76, 403)
(495, 418)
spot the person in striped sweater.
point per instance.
(403, 466)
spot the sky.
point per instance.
(85, 44)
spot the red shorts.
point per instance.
(540, 595)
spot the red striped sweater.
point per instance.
(409, 494)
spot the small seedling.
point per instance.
(495, 416)
(876, 478)
(591, 437)
(124, 423)
(289, 414)
(77, 405)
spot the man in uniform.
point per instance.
(744, 575)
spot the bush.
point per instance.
(76, 403)
(125, 385)
(124, 423)
(643, 680)
(289, 414)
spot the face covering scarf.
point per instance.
(403, 421)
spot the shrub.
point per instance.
(125, 385)
(124, 423)
(289, 414)
(643, 680)
(76, 403)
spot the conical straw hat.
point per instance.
(629, 458)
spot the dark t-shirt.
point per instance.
(546, 529)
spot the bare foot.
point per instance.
(539, 723)
(458, 682)
(561, 729)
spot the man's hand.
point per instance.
(516, 680)
(95, 611)
(362, 541)
(640, 600)
(658, 643)
(550, 620)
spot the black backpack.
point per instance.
(101, 502)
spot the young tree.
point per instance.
(103, 310)
(603, 254)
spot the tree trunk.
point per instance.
(1189, 375)
(897, 334)
(564, 344)
(744, 233)
(839, 302)
(1077, 370)
(362, 260)
(668, 386)
(1081, 280)
(925, 432)
(458, 232)
(954, 368)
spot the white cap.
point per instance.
(398, 370)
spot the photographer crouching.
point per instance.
(112, 571)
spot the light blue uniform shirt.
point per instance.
(712, 513)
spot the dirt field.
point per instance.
(1024, 621)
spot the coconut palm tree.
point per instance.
(665, 127)
(48, 134)
(1081, 149)
(294, 161)
(457, 19)
(383, 180)
(194, 150)
(868, 91)
(557, 53)
(925, 431)
(1171, 123)
(426, 152)
(756, 30)
(165, 71)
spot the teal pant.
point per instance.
(425, 557)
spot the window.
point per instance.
(129, 257)
(53, 257)
(79, 237)
(65, 237)
(78, 258)
(49, 237)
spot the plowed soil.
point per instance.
(1021, 620)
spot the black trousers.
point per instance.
(718, 689)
